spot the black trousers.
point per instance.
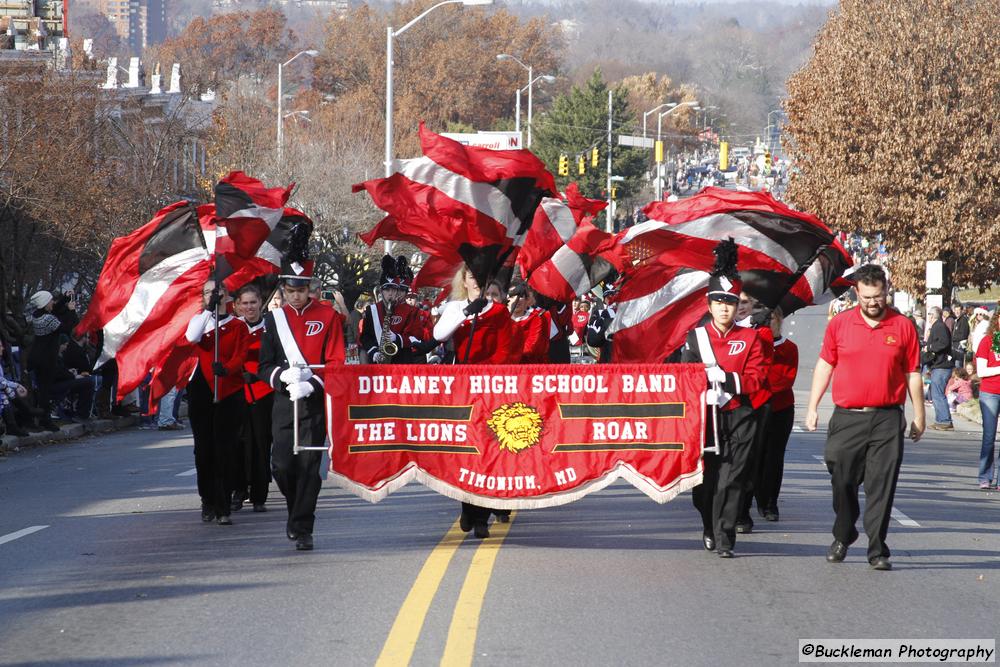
(475, 513)
(255, 464)
(772, 463)
(762, 415)
(864, 447)
(297, 475)
(719, 497)
(216, 429)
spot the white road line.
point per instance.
(10, 537)
(903, 519)
(895, 514)
(187, 473)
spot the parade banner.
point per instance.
(516, 437)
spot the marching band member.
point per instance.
(597, 328)
(562, 326)
(780, 376)
(751, 313)
(392, 324)
(216, 424)
(482, 333)
(733, 359)
(530, 324)
(300, 333)
(260, 402)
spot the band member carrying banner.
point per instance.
(482, 333)
(260, 403)
(302, 333)
(392, 331)
(215, 424)
(733, 361)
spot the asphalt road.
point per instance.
(119, 569)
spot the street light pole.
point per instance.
(517, 112)
(659, 130)
(654, 109)
(390, 34)
(281, 99)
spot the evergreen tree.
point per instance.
(575, 125)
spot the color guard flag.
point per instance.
(461, 203)
(148, 291)
(246, 213)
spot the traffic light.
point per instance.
(581, 165)
(594, 157)
(767, 164)
(563, 165)
(659, 151)
(614, 192)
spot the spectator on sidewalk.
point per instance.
(960, 335)
(937, 355)
(980, 322)
(959, 389)
(50, 318)
(988, 369)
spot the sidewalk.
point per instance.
(11, 443)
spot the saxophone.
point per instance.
(386, 346)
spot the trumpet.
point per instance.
(386, 346)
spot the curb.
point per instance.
(11, 443)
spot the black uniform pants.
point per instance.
(298, 475)
(256, 469)
(475, 513)
(864, 447)
(216, 429)
(719, 497)
(772, 464)
(762, 415)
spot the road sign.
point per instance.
(630, 140)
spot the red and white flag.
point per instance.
(148, 291)
(236, 270)
(575, 267)
(667, 261)
(461, 203)
(246, 212)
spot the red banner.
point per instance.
(516, 437)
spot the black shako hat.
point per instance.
(724, 283)
(396, 273)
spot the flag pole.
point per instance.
(215, 314)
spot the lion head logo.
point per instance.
(516, 425)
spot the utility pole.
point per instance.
(611, 210)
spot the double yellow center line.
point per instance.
(461, 643)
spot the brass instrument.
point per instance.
(386, 346)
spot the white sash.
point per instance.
(292, 352)
(708, 356)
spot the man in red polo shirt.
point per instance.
(873, 355)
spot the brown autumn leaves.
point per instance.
(893, 125)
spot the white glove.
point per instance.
(295, 374)
(299, 390)
(379, 358)
(715, 374)
(713, 397)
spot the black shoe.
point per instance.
(744, 527)
(881, 563)
(725, 553)
(837, 552)
(304, 542)
(481, 530)
(224, 520)
(259, 507)
(236, 505)
(207, 514)
(708, 542)
(291, 534)
(50, 426)
(465, 523)
(503, 516)
(770, 515)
